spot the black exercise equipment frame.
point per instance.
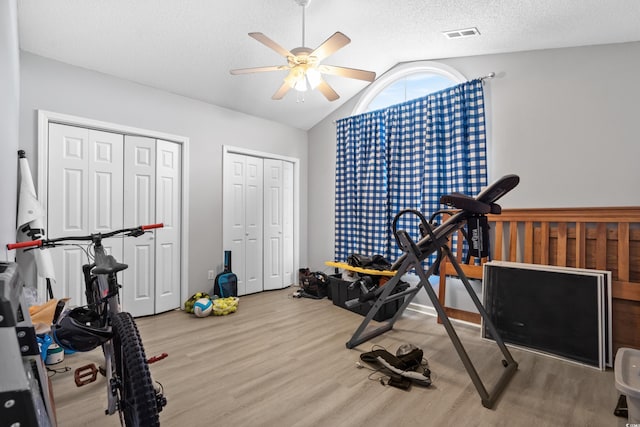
(435, 241)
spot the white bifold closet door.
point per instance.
(258, 221)
(101, 181)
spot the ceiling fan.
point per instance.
(305, 70)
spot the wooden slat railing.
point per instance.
(594, 238)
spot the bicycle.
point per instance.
(130, 389)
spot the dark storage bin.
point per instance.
(341, 293)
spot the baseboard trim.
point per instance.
(431, 312)
(423, 309)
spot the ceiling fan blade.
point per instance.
(271, 44)
(351, 73)
(330, 45)
(282, 91)
(258, 69)
(327, 91)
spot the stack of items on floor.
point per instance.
(202, 305)
(359, 280)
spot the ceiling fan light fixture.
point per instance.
(313, 77)
(300, 84)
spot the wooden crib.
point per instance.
(596, 238)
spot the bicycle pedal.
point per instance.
(85, 374)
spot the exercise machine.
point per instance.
(434, 241)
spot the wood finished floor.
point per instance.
(280, 361)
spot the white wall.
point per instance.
(9, 119)
(565, 120)
(61, 88)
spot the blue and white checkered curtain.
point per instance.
(361, 170)
(406, 156)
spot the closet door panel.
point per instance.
(287, 224)
(253, 225)
(168, 212)
(234, 222)
(68, 166)
(273, 233)
(138, 281)
(106, 157)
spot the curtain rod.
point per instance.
(489, 76)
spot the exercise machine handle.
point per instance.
(466, 203)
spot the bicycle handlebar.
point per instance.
(150, 226)
(27, 244)
(135, 231)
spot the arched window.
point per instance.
(407, 81)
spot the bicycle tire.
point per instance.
(136, 393)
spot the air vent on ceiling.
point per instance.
(456, 34)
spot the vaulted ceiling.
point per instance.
(187, 47)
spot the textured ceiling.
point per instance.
(188, 46)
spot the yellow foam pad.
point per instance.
(369, 271)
